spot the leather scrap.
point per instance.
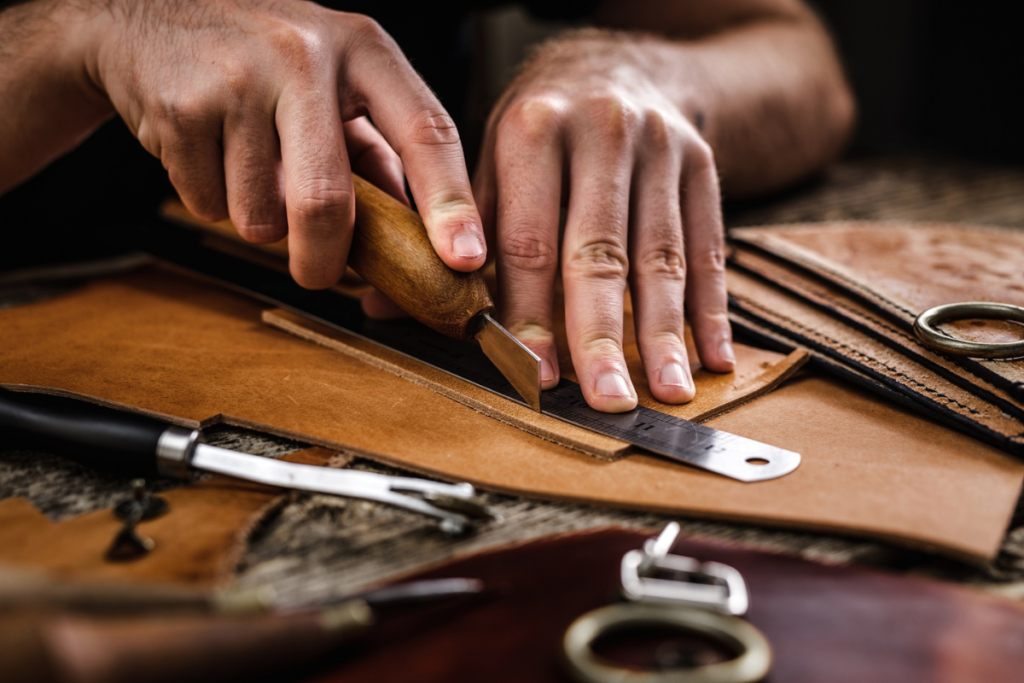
(197, 354)
(198, 541)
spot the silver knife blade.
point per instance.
(647, 429)
(519, 365)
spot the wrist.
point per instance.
(48, 102)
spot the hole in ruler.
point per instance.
(757, 461)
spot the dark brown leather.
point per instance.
(824, 623)
(197, 354)
(852, 291)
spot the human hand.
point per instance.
(584, 125)
(244, 102)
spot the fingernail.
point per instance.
(547, 373)
(467, 245)
(725, 350)
(612, 384)
(672, 375)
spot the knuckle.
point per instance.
(536, 332)
(665, 262)
(710, 261)
(206, 205)
(597, 344)
(367, 30)
(616, 118)
(432, 127)
(180, 114)
(304, 48)
(525, 251)
(531, 121)
(603, 259)
(700, 156)
(319, 200)
(658, 131)
(239, 77)
(670, 338)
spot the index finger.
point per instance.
(416, 126)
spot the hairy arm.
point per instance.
(258, 109)
(760, 79)
(49, 103)
(634, 127)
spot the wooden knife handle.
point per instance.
(391, 251)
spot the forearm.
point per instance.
(765, 89)
(48, 103)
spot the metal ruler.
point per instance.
(681, 440)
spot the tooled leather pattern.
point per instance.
(903, 269)
(906, 267)
(830, 297)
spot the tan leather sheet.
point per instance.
(757, 372)
(169, 344)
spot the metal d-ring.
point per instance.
(751, 664)
(926, 330)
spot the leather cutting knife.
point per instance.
(391, 251)
(141, 446)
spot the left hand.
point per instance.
(586, 126)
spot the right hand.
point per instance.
(257, 110)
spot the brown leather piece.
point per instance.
(903, 269)
(778, 309)
(757, 372)
(198, 541)
(824, 623)
(154, 340)
(826, 296)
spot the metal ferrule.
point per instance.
(174, 451)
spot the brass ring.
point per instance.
(752, 663)
(924, 328)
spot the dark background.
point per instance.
(941, 76)
(937, 77)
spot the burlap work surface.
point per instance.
(198, 542)
(159, 342)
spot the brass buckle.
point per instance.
(705, 598)
(930, 335)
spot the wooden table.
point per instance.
(318, 546)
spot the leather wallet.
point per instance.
(850, 293)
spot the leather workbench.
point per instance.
(373, 542)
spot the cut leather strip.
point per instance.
(757, 372)
(198, 541)
(835, 302)
(903, 269)
(824, 333)
(179, 347)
